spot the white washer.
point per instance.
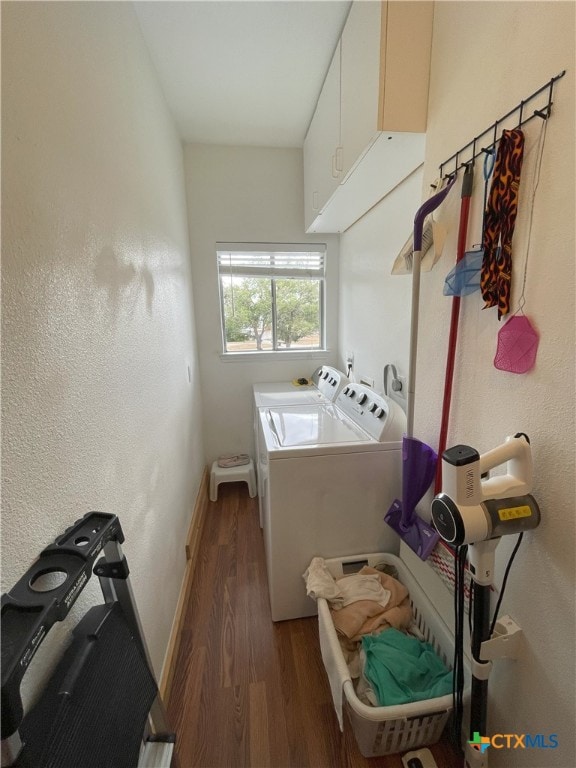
(329, 473)
(327, 383)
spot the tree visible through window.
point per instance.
(271, 297)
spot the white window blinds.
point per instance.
(271, 260)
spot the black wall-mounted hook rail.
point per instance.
(544, 113)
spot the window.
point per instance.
(271, 296)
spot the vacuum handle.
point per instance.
(518, 478)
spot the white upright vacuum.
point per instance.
(477, 510)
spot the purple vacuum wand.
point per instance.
(425, 209)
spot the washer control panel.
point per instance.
(329, 381)
(383, 419)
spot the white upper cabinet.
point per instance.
(320, 145)
(405, 65)
(373, 135)
(360, 81)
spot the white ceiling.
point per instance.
(242, 71)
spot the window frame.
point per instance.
(269, 273)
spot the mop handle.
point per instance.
(467, 184)
(426, 208)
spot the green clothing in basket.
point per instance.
(403, 669)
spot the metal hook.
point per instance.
(550, 91)
(541, 113)
(489, 160)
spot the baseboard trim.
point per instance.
(191, 548)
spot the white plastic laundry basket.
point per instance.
(386, 730)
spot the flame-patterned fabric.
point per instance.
(499, 221)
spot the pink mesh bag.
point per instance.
(517, 345)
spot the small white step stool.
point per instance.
(243, 473)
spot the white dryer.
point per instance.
(329, 474)
(325, 385)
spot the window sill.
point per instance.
(262, 357)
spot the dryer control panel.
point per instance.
(383, 419)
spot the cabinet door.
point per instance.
(405, 71)
(360, 81)
(320, 145)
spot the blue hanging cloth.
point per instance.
(464, 278)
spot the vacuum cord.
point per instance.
(504, 580)
(460, 558)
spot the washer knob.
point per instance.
(362, 398)
(379, 413)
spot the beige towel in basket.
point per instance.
(366, 616)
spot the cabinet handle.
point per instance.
(339, 159)
(315, 201)
(334, 168)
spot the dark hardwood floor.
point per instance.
(248, 692)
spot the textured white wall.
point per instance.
(98, 331)
(486, 57)
(374, 320)
(245, 194)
